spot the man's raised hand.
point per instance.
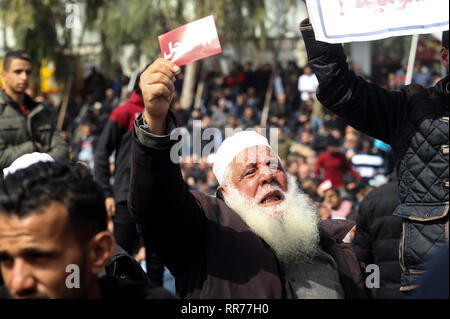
(157, 87)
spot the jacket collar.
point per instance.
(6, 99)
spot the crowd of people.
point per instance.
(333, 163)
(308, 134)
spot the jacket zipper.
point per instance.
(402, 248)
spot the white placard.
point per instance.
(338, 21)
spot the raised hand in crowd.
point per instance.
(157, 87)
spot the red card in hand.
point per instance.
(190, 42)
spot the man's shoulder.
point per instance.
(3, 98)
(5, 101)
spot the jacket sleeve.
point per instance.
(59, 149)
(168, 217)
(108, 142)
(365, 106)
(362, 241)
(9, 154)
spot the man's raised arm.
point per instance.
(365, 106)
(166, 213)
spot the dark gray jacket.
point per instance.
(414, 121)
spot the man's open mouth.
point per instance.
(272, 198)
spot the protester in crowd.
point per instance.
(284, 144)
(53, 238)
(368, 164)
(25, 126)
(84, 149)
(182, 114)
(422, 75)
(334, 164)
(95, 85)
(249, 119)
(73, 109)
(414, 121)
(253, 100)
(110, 102)
(357, 68)
(304, 175)
(116, 137)
(278, 108)
(278, 81)
(220, 116)
(317, 115)
(339, 208)
(259, 239)
(84, 111)
(378, 235)
(307, 83)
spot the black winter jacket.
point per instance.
(207, 247)
(414, 121)
(377, 238)
(116, 136)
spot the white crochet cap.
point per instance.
(26, 160)
(231, 147)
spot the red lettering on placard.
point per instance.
(379, 5)
(342, 7)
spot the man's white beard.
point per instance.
(293, 234)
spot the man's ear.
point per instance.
(221, 192)
(100, 250)
(444, 57)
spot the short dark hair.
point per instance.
(29, 190)
(11, 55)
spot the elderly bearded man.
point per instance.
(262, 240)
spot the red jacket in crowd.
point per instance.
(334, 166)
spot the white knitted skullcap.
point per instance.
(26, 160)
(231, 147)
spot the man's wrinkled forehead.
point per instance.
(256, 154)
